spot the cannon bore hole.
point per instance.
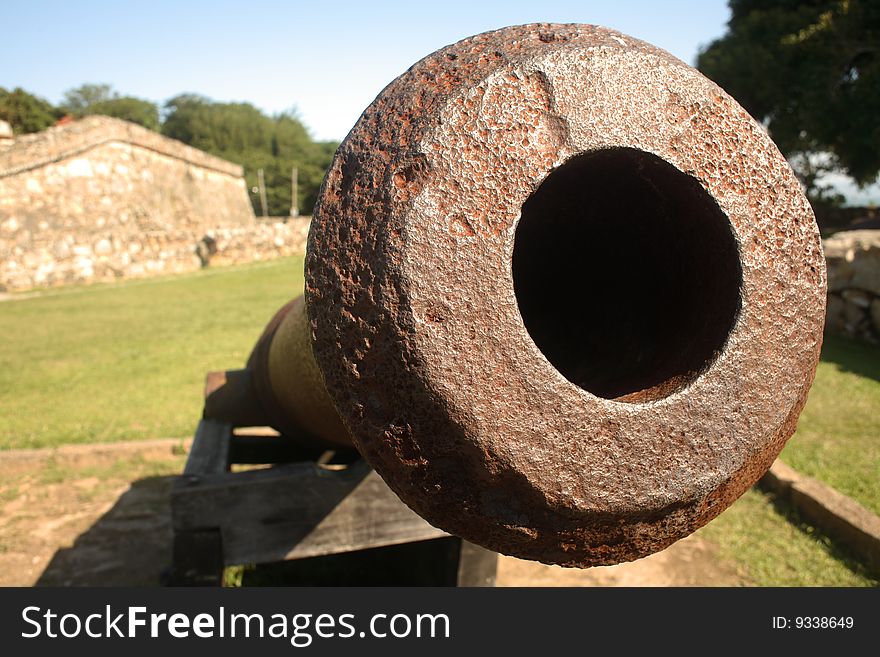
(627, 274)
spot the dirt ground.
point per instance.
(99, 515)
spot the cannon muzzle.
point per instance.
(562, 293)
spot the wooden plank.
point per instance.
(197, 559)
(298, 510)
(477, 566)
(231, 396)
(209, 454)
(270, 449)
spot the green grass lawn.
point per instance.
(838, 435)
(771, 546)
(127, 361)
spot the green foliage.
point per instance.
(78, 101)
(241, 133)
(26, 112)
(221, 128)
(811, 71)
(136, 110)
(101, 99)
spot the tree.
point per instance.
(78, 101)
(226, 129)
(810, 71)
(26, 112)
(241, 133)
(101, 99)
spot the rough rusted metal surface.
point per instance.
(287, 383)
(421, 339)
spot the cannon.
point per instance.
(562, 293)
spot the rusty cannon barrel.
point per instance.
(562, 293)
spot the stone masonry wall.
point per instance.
(854, 284)
(101, 198)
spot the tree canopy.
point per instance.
(26, 112)
(79, 99)
(810, 71)
(101, 99)
(241, 133)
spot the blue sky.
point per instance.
(329, 60)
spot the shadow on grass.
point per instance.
(835, 549)
(852, 356)
(129, 545)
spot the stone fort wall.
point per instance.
(100, 199)
(853, 259)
